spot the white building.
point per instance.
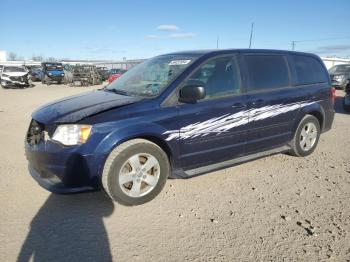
(332, 61)
(3, 56)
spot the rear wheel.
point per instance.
(135, 172)
(306, 137)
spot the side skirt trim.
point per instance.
(232, 162)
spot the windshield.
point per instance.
(152, 76)
(54, 67)
(338, 69)
(14, 69)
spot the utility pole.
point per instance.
(217, 42)
(293, 45)
(251, 36)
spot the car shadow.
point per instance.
(338, 105)
(69, 228)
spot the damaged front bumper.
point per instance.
(61, 169)
(7, 82)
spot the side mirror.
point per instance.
(191, 93)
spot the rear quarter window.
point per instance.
(309, 70)
(267, 72)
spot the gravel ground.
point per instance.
(279, 208)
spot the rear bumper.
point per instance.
(328, 120)
(347, 100)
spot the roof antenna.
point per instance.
(251, 35)
(217, 42)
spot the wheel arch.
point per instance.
(315, 110)
(150, 132)
(319, 116)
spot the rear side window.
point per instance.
(266, 72)
(309, 70)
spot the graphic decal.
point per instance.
(226, 122)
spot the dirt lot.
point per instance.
(279, 208)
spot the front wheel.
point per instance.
(306, 137)
(135, 172)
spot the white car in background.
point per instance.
(15, 76)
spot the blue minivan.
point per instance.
(180, 115)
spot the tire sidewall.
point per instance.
(307, 119)
(114, 189)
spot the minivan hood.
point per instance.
(74, 108)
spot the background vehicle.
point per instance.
(346, 102)
(52, 73)
(340, 75)
(104, 73)
(1, 67)
(86, 75)
(15, 76)
(180, 115)
(36, 73)
(114, 74)
(68, 73)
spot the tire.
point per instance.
(119, 161)
(298, 146)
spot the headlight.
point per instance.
(62, 74)
(70, 135)
(339, 77)
(49, 74)
(4, 75)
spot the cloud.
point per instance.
(173, 32)
(182, 35)
(335, 48)
(151, 37)
(102, 50)
(168, 28)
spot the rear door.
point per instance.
(272, 101)
(213, 129)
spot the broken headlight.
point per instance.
(70, 135)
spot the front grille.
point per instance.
(35, 133)
(19, 78)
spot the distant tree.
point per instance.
(37, 58)
(12, 56)
(51, 59)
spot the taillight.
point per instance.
(333, 95)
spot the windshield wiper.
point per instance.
(117, 91)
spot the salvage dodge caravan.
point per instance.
(180, 115)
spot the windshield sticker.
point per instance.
(180, 62)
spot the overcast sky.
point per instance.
(141, 29)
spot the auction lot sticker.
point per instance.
(180, 62)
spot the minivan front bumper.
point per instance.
(64, 170)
